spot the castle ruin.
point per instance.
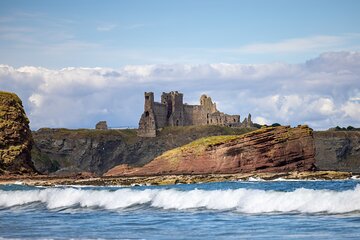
(173, 112)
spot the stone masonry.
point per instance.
(102, 125)
(173, 112)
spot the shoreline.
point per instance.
(45, 180)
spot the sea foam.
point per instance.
(240, 200)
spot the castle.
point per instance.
(173, 112)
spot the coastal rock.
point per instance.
(15, 136)
(271, 149)
(338, 150)
(65, 152)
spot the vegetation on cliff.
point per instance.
(349, 128)
(67, 151)
(269, 149)
(15, 136)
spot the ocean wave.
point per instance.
(240, 200)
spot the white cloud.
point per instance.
(261, 120)
(322, 92)
(36, 99)
(325, 106)
(320, 42)
(352, 110)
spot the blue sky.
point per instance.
(59, 34)
(76, 62)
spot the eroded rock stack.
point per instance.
(15, 136)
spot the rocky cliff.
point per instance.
(15, 136)
(64, 151)
(338, 150)
(272, 149)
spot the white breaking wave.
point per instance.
(240, 200)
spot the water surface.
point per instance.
(228, 210)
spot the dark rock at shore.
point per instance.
(271, 149)
(65, 152)
(338, 150)
(15, 136)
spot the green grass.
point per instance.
(128, 135)
(198, 146)
(223, 130)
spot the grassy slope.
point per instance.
(206, 142)
(142, 150)
(201, 144)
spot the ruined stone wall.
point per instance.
(207, 104)
(220, 118)
(160, 112)
(173, 112)
(102, 125)
(147, 123)
(176, 117)
(194, 115)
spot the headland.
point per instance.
(170, 148)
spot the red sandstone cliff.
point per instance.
(272, 149)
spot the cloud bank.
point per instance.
(322, 92)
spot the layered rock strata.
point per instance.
(272, 149)
(66, 152)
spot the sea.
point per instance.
(254, 209)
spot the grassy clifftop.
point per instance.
(271, 149)
(207, 142)
(99, 150)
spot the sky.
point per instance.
(74, 63)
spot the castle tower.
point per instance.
(171, 111)
(175, 108)
(207, 104)
(147, 123)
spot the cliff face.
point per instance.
(71, 151)
(338, 150)
(273, 149)
(15, 136)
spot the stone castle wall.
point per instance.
(194, 115)
(173, 112)
(160, 112)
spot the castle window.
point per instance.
(146, 114)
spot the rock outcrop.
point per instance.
(338, 150)
(64, 151)
(272, 149)
(15, 136)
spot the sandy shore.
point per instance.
(42, 180)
